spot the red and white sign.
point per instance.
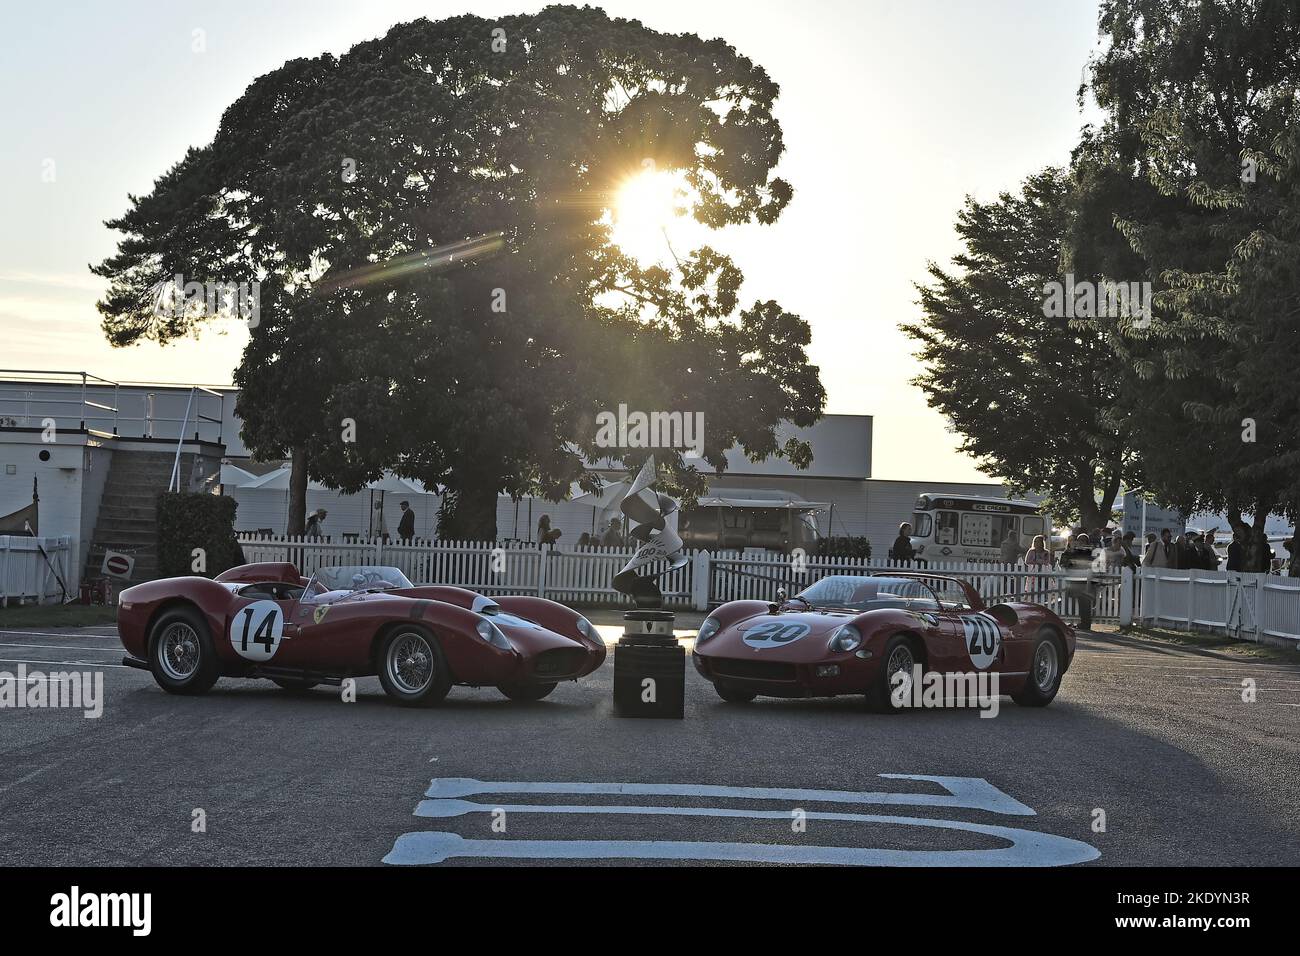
(117, 565)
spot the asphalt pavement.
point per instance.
(1149, 755)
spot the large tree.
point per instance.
(1202, 114)
(432, 212)
(1031, 394)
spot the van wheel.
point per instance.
(412, 668)
(181, 655)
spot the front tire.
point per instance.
(182, 657)
(1045, 671)
(899, 657)
(412, 668)
(733, 694)
(526, 691)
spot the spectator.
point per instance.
(546, 537)
(315, 523)
(902, 549)
(1011, 548)
(1128, 558)
(406, 524)
(613, 537)
(1114, 553)
(1293, 559)
(1234, 553)
(584, 540)
(1209, 557)
(1164, 552)
(1038, 558)
(1078, 584)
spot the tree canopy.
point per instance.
(428, 216)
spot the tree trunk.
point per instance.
(297, 492)
(470, 514)
(1258, 537)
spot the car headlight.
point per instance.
(710, 627)
(847, 638)
(586, 629)
(492, 634)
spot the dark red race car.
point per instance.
(874, 634)
(268, 621)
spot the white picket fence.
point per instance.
(585, 576)
(28, 575)
(1258, 607)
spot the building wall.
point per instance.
(98, 460)
(60, 482)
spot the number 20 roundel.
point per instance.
(256, 630)
(983, 640)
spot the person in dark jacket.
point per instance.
(1078, 584)
(1129, 558)
(406, 523)
(1234, 553)
(1209, 557)
(902, 549)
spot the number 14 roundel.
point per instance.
(256, 630)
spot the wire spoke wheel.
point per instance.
(1046, 665)
(410, 663)
(178, 651)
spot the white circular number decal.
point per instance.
(256, 630)
(983, 640)
(774, 634)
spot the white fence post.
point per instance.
(1126, 597)
(700, 580)
(542, 562)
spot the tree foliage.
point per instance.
(1030, 394)
(460, 297)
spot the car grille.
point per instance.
(556, 663)
(753, 670)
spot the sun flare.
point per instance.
(644, 207)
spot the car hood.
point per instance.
(784, 636)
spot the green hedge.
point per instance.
(188, 521)
(845, 547)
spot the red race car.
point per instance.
(874, 635)
(268, 621)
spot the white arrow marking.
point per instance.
(1026, 848)
(965, 793)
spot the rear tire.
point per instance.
(295, 685)
(1045, 671)
(899, 655)
(412, 668)
(182, 657)
(526, 691)
(733, 694)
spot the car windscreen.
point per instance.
(358, 577)
(865, 594)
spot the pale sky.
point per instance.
(893, 111)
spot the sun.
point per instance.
(644, 206)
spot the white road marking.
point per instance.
(19, 660)
(967, 793)
(66, 647)
(107, 637)
(1026, 848)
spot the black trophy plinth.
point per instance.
(649, 667)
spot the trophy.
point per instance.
(649, 664)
